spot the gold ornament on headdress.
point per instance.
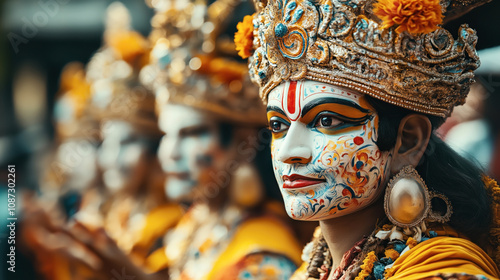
(71, 110)
(393, 50)
(494, 242)
(114, 74)
(196, 65)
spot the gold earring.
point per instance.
(247, 189)
(407, 201)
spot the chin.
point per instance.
(305, 209)
(179, 190)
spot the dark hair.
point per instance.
(444, 171)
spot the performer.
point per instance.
(213, 123)
(131, 174)
(69, 171)
(354, 91)
(130, 206)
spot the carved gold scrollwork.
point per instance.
(368, 35)
(439, 43)
(319, 52)
(294, 44)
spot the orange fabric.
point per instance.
(443, 255)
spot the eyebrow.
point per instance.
(309, 106)
(276, 109)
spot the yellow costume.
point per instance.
(242, 244)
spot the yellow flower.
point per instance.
(129, 45)
(414, 16)
(367, 266)
(244, 37)
(411, 242)
(392, 254)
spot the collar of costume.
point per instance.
(436, 251)
(393, 50)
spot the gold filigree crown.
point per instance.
(194, 61)
(393, 50)
(113, 72)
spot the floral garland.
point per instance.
(494, 192)
(378, 266)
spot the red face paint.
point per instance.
(291, 97)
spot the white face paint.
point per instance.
(190, 152)
(78, 157)
(123, 156)
(324, 150)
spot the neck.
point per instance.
(217, 203)
(343, 232)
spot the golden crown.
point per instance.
(194, 62)
(393, 50)
(113, 72)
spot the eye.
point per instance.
(277, 125)
(326, 120)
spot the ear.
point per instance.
(411, 142)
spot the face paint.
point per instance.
(80, 155)
(324, 150)
(123, 156)
(190, 152)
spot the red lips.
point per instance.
(296, 181)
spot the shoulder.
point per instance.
(263, 242)
(440, 256)
(267, 234)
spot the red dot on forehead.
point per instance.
(291, 97)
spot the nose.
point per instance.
(169, 149)
(295, 147)
(108, 153)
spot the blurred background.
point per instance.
(39, 37)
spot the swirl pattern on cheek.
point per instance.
(352, 166)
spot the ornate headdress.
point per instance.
(114, 74)
(194, 62)
(393, 50)
(71, 110)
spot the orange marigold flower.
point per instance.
(411, 242)
(414, 16)
(244, 37)
(367, 266)
(392, 254)
(129, 45)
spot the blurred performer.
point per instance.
(69, 173)
(130, 207)
(131, 175)
(72, 169)
(212, 119)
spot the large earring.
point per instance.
(247, 189)
(407, 201)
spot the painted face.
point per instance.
(123, 156)
(324, 150)
(77, 159)
(190, 152)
